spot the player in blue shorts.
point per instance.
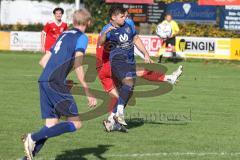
(55, 98)
(121, 36)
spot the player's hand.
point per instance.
(109, 29)
(92, 101)
(147, 59)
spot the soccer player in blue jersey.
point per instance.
(55, 98)
(104, 72)
(121, 35)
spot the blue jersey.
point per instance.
(63, 55)
(121, 40)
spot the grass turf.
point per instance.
(209, 88)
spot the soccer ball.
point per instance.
(164, 30)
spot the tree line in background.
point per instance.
(99, 11)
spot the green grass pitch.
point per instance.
(209, 89)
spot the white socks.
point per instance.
(110, 117)
(120, 110)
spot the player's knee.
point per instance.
(77, 124)
(129, 82)
(51, 122)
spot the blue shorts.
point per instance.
(121, 68)
(56, 101)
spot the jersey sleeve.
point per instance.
(104, 30)
(46, 27)
(82, 44)
(132, 25)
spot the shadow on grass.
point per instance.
(79, 154)
(134, 123)
(137, 122)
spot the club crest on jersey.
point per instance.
(123, 37)
(128, 30)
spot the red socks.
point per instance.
(153, 76)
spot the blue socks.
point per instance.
(58, 129)
(124, 95)
(39, 145)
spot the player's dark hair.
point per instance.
(115, 10)
(168, 14)
(58, 9)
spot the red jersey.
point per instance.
(53, 31)
(103, 67)
(102, 55)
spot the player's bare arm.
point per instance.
(80, 75)
(44, 60)
(103, 37)
(139, 44)
(43, 38)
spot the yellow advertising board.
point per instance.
(4, 40)
(202, 47)
(92, 43)
(235, 49)
(186, 47)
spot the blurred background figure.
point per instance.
(168, 30)
(52, 30)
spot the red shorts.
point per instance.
(105, 76)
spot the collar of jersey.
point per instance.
(117, 27)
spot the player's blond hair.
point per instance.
(81, 17)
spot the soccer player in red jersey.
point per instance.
(53, 29)
(51, 32)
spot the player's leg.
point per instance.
(172, 42)
(159, 76)
(105, 77)
(114, 97)
(161, 55)
(33, 146)
(125, 74)
(150, 75)
(75, 121)
(54, 128)
(64, 105)
(174, 54)
(125, 93)
(52, 104)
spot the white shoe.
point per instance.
(120, 119)
(178, 72)
(108, 126)
(172, 79)
(29, 145)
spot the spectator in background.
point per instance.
(52, 30)
(171, 40)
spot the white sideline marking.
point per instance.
(174, 154)
(30, 75)
(160, 154)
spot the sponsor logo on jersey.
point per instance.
(123, 37)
